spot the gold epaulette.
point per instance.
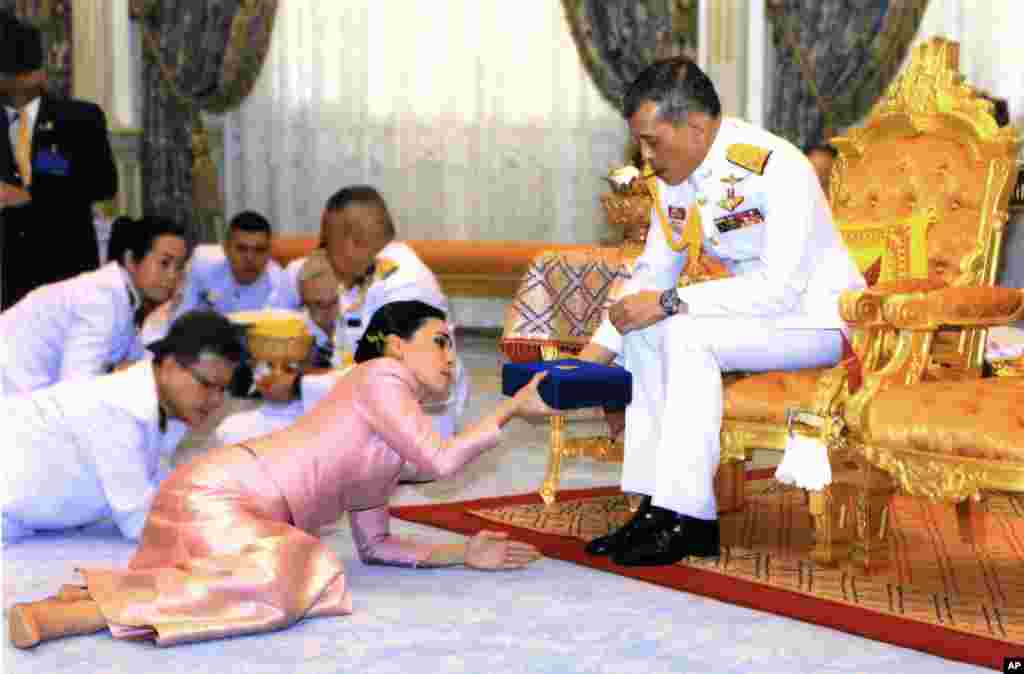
(750, 157)
(384, 268)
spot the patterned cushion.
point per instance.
(561, 300)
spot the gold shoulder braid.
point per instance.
(693, 230)
(750, 157)
(698, 266)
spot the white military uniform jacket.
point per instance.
(410, 280)
(210, 284)
(74, 328)
(773, 229)
(84, 450)
(287, 295)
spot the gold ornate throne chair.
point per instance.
(932, 167)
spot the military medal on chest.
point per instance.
(752, 160)
(677, 218)
(731, 200)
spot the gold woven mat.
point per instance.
(934, 577)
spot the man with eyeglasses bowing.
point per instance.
(87, 449)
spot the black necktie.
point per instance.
(322, 354)
(140, 309)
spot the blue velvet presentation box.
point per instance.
(571, 383)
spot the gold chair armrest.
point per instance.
(860, 309)
(904, 286)
(966, 307)
(863, 308)
(916, 318)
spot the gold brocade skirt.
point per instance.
(218, 557)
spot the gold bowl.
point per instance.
(630, 213)
(276, 337)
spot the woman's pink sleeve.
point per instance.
(375, 544)
(396, 416)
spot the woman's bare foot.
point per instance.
(22, 626)
(31, 623)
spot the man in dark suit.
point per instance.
(55, 162)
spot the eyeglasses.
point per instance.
(205, 381)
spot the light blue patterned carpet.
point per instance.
(552, 617)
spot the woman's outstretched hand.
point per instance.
(492, 551)
(528, 401)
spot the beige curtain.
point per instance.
(475, 119)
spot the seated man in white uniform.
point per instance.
(84, 326)
(359, 237)
(752, 202)
(88, 449)
(236, 276)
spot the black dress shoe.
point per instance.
(645, 517)
(674, 541)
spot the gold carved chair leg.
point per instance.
(971, 521)
(553, 475)
(730, 485)
(831, 510)
(873, 492)
(598, 447)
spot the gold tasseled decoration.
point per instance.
(205, 184)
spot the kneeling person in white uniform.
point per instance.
(358, 237)
(84, 450)
(236, 276)
(85, 325)
(750, 203)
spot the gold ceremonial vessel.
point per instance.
(628, 206)
(276, 337)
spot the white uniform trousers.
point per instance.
(672, 438)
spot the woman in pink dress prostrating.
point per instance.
(230, 544)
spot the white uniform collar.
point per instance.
(32, 107)
(133, 293)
